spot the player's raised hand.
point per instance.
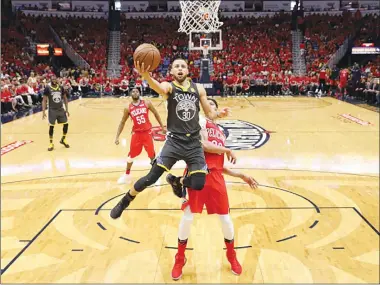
(141, 68)
(224, 112)
(231, 157)
(250, 181)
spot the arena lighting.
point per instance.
(117, 5)
(292, 4)
(58, 52)
(43, 46)
(42, 49)
(365, 50)
(368, 45)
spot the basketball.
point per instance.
(147, 54)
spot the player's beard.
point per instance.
(135, 100)
(180, 79)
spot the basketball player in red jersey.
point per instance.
(343, 78)
(138, 110)
(214, 195)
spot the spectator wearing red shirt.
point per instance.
(322, 79)
(84, 84)
(108, 89)
(116, 86)
(22, 90)
(245, 84)
(138, 84)
(6, 100)
(124, 86)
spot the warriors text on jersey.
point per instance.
(140, 117)
(183, 110)
(214, 161)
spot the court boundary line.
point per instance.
(368, 222)
(239, 168)
(30, 242)
(146, 209)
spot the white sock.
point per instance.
(185, 224)
(227, 226)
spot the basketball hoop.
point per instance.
(199, 15)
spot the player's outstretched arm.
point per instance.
(247, 179)
(209, 112)
(155, 113)
(121, 125)
(163, 88)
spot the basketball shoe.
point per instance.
(121, 206)
(180, 261)
(64, 142)
(176, 185)
(231, 257)
(124, 179)
(51, 147)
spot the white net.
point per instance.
(199, 15)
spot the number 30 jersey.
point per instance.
(216, 136)
(140, 117)
(183, 110)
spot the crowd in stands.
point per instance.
(24, 90)
(369, 32)
(324, 34)
(256, 65)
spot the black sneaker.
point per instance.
(121, 206)
(63, 141)
(176, 185)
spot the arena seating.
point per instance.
(256, 58)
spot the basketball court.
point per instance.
(313, 219)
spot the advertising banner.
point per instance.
(42, 5)
(276, 5)
(332, 5)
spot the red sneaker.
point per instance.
(235, 265)
(180, 261)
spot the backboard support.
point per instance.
(205, 41)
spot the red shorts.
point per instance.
(213, 195)
(140, 140)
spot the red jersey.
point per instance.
(140, 117)
(216, 136)
(322, 74)
(344, 75)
